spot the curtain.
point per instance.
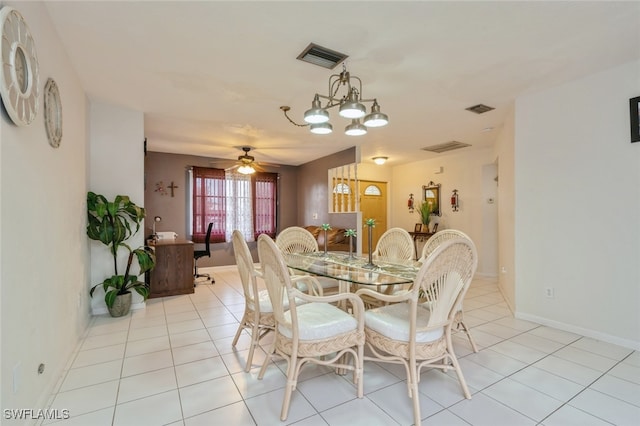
(239, 205)
(265, 200)
(209, 204)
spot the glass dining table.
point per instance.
(353, 269)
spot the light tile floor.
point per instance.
(172, 364)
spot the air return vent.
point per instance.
(480, 108)
(447, 146)
(321, 56)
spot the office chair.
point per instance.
(197, 254)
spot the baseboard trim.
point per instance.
(604, 337)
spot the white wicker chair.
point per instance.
(258, 312)
(395, 244)
(402, 332)
(316, 332)
(295, 239)
(431, 244)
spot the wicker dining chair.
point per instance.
(295, 239)
(258, 312)
(402, 332)
(395, 244)
(428, 248)
(316, 332)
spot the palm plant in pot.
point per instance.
(425, 210)
(113, 223)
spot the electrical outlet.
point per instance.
(315, 215)
(548, 292)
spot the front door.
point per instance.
(373, 204)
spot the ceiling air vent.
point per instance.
(447, 146)
(321, 56)
(480, 108)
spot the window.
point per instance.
(233, 201)
(372, 190)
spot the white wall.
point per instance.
(504, 148)
(462, 170)
(44, 250)
(577, 180)
(116, 165)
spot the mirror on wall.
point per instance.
(431, 195)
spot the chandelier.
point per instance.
(350, 107)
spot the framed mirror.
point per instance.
(431, 194)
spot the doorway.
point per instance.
(373, 204)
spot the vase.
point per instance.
(121, 305)
(350, 247)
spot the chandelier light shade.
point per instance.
(321, 128)
(355, 128)
(345, 92)
(376, 118)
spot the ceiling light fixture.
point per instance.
(350, 106)
(380, 160)
(246, 170)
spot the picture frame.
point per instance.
(634, 115)
(418, 227)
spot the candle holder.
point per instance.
(350, 233)
(370, 223)
(325, 227)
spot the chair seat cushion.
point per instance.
(318, 321)
(393, 322)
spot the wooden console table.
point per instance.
(422, 236)
(173, 273)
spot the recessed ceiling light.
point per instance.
(487, 129)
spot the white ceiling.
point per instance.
(211, 76)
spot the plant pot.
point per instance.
(121, 305)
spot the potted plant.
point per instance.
(425, 210)
(110, 222)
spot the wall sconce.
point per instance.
(410, 203)
(380, 160)
(454, 200)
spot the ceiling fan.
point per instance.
(247, 164)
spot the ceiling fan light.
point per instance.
(355, 129)
(321, 128)
(352, 110)
(246, 169)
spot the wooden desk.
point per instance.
(422, 235)
(173, 273)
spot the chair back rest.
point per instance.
(246, 269)
(207, 239)
(395, 244)
(445, 278)
(295, 239)
(278, 281)
(438, 238)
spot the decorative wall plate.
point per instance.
(19, 79)
(52, 113)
